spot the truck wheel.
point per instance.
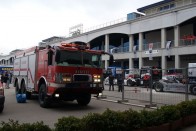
(23, 88)
(1, 108)
(193, 89)
(158, 87)
(43, 101)
(16, 88)
(84, 99)
(24, 91)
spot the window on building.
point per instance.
(167, 7)
(172, 6)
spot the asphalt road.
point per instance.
(31, 112)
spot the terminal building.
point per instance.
(161, 34)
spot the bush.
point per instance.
(12, 125)
(151, 118)
(132, 119)
(113, 120)
(92, 122)
(68, 124)
(187, 108)
(169, 113)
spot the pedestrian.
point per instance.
(6, 80)
(146, 81)
(120, 83)
(111, 82)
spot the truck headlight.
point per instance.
(62, 78)
(96, 78)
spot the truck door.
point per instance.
(42, 64)
(45, 67)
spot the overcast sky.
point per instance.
(25, 23)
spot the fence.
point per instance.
(167, 87)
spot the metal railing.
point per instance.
(184, 42)
(119, 49)
(174, 87)
(156, 45)
(120, 20)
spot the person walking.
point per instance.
(111, 82)
(120, 82)
(6, 79)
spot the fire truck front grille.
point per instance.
(81, 78)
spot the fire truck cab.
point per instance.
(66, 72)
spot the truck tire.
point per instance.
(43, 100)
(23, 88)
(16, 88)
(84, 99)
(158, 87)
(1, 108)
(24, 91)
(193, 89)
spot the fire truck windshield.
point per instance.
(79, 58)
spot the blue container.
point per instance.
(21, 98)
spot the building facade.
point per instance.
(165, 36)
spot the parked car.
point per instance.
(169, 83)
(132, 77)
(178, 73)
(2, 99)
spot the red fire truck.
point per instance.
(67, 72)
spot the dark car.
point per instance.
(2, 99)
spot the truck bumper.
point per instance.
(2, 100)
(72, 91)
(90, 90)
(72, 94)
(77, 88)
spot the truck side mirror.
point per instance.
(111, 60)
(57, 56)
